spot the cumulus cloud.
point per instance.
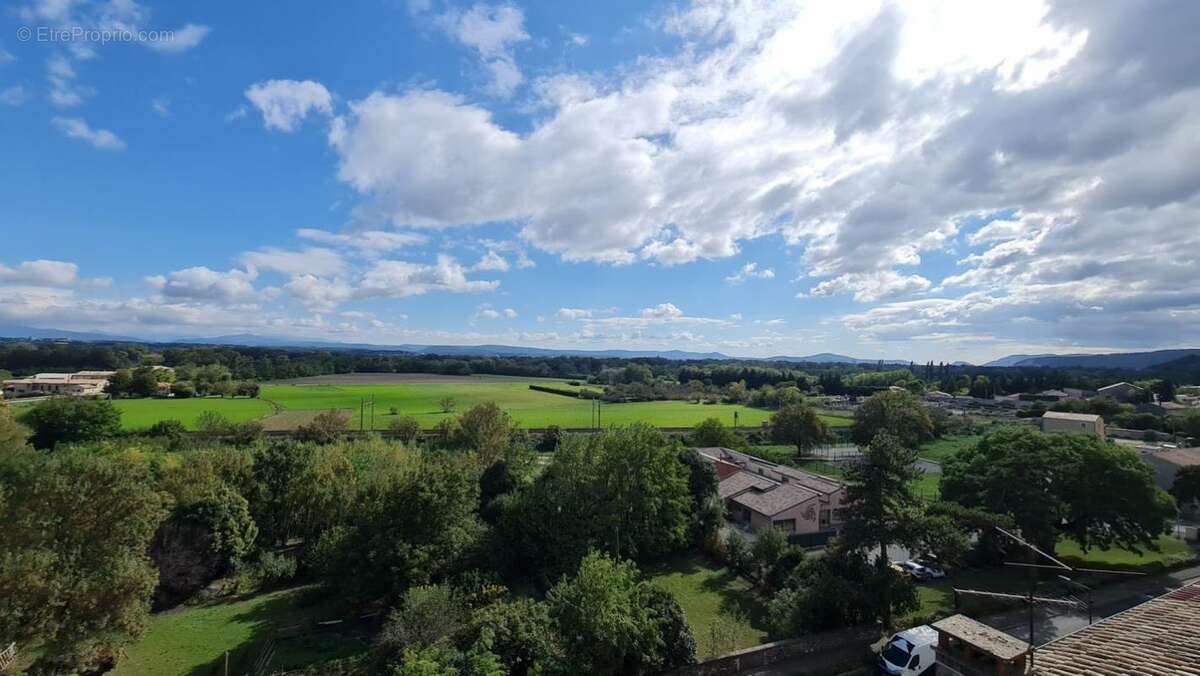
(491, 31)
(285, 104)
(202, 283)
(180, 39)
(40, 273)
(399, 279)
(574, 313)
(488, 312)
(101, 139)
(492, 261)
(873, 286)
(750, 271)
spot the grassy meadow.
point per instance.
(283, 406)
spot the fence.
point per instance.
(821, 653)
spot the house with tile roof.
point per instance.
(761, 493)
(1160, 637)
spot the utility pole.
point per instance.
(1029, 598)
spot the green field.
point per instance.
(939, 450)
(142, 413)
(705, 591)
(284, 406)
(529, 408)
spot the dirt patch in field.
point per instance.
(286, 421)
(408, 379)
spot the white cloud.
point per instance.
(13, 96)
(65, 92)
(750, 271)
(285, 103)
(510, 313)
(488, 312)
(202, 283)
(180, 39)
(162, 106)
(6, 57)
(491, 30)
(371, 243)
(399, 279)
(573, 313)
(40, 273)
(101, 139)
(312, 261)
(492, 261)
(870, 287)
(662, 311)
(318, 293)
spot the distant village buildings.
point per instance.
(80, 384)
(1073, 423)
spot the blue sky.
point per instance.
(925, 182)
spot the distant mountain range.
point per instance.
(1118, 360)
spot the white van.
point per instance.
(909, 653)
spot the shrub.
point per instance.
(270, 570)
(324, 428)
(406, 428)
(171, 429)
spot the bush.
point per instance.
(406, 428)
(170, 429)
(69, 419)
(270, 570)
(325, 428)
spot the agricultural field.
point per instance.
(529, 408)
(286, 405)
(142, 413)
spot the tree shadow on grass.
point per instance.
(285, 626)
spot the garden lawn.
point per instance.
(1173, 551)
(703, 590)
(142, 413)
(529, 408)
(191, 638)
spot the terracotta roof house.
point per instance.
(762, 494)
(1160, 637)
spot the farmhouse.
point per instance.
(1073, 423)
(81, 384)
(761, 494)
(1123, 392)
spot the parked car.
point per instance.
(936, 572)
(909, 653)
(916, 570)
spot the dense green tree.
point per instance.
(74, 572)
(278, 467)
(676, 646)
(799, 425)
(1187, 424)
(612, 623)
(1186, 487)
(622, 491)
(521, 634)
(838, 589)
(486, 429)
(882, 507)
(768, 548)
(408, 526)
(900, 414)
(708, 510)
(14, 436)
(71, 419)
(428, 614)
(711, 432)
(1096, 493)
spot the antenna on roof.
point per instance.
(1030, 599)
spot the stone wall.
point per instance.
(811, 654)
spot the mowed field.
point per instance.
(285, 405)
(529, 408)
(140, 413)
